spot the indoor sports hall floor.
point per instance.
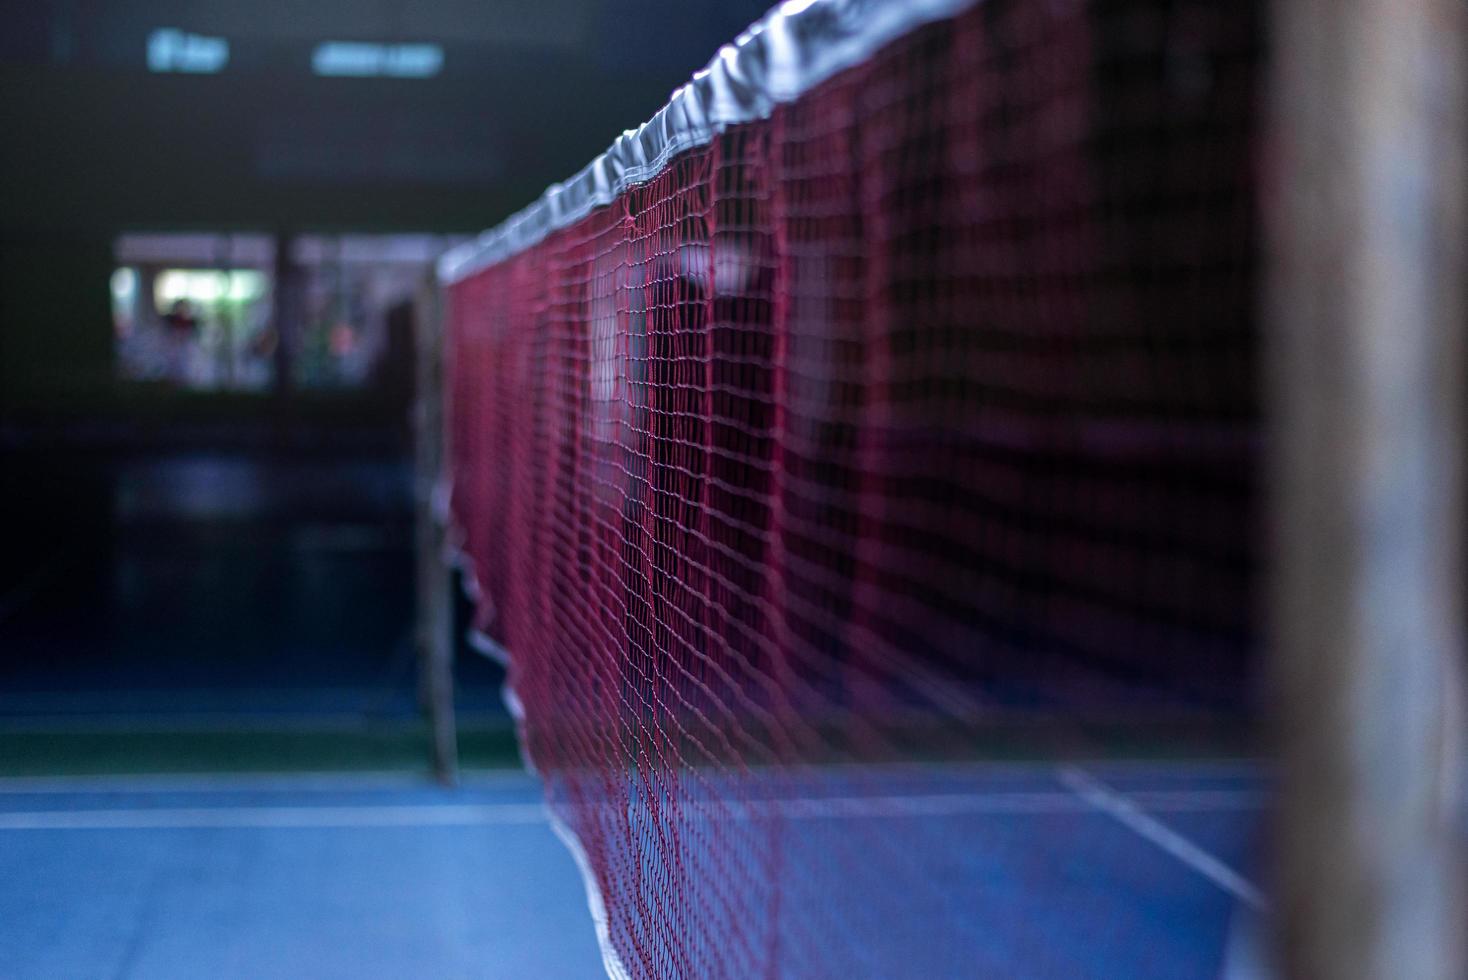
(1125, 871)
(224, 613)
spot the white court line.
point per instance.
(250, 782)
(996, 803)
(484, 814)
(1129, 814)
(1183, 768)
(351, 720)
(277, 817)
(1232, 797)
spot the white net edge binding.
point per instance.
(794, 48)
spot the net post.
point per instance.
(1363, 322)
(435, 603)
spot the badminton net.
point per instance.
(882, 408)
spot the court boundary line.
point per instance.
(205, 781)
(1129, 814)
(278, 817)
(101, 784)
(891, 806)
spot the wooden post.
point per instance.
(435, 602)
(1363, 331)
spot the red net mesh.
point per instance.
(910, 428)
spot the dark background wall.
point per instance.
(174, 553)
(95, 144)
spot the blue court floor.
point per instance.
(367, 875)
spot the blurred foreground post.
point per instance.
(435, 604)
(1364, 325)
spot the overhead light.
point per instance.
(355, 59)
(172, 50)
